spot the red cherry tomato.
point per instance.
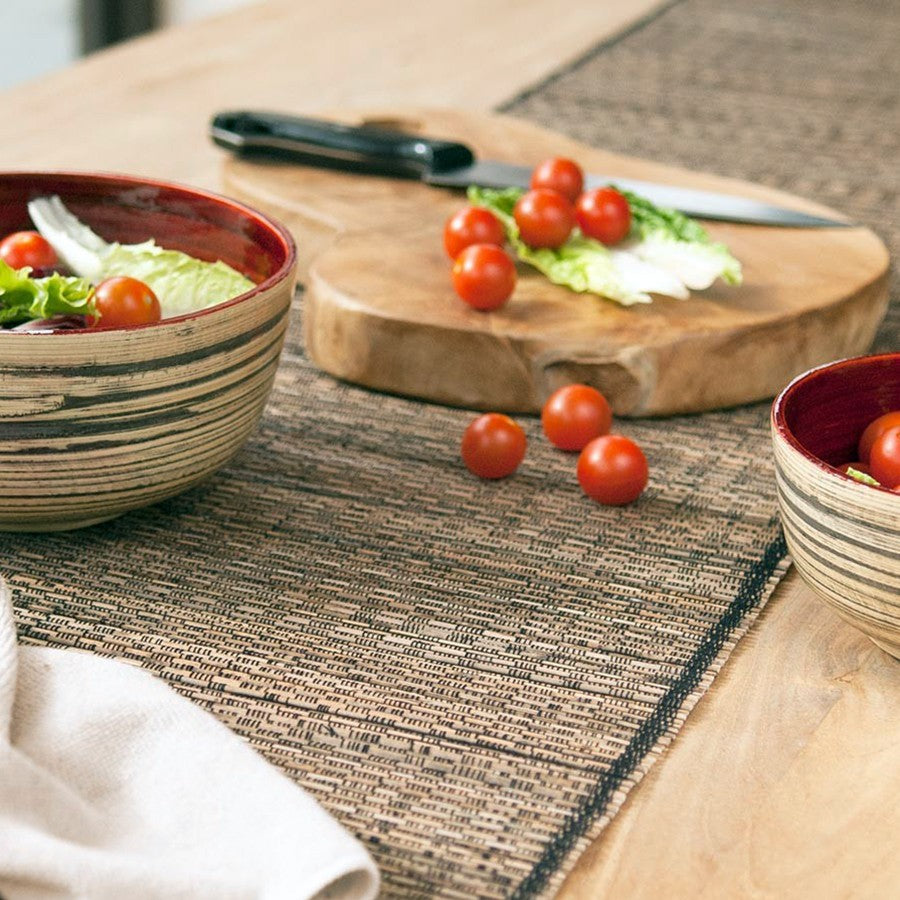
(493, 446)
(884, 460)
(472, 225)
(604, 215)
(574, 415)
(559, 174)
(874, 430)
(27, 248)
(545, 218)
(484, 276)
(612, 470)
(121, 302)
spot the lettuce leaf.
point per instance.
(182, 283)
(666, 253)
(647, 218)
(586, 266)
(23, 298)
(501, 202)
(581, 264)
(862, 477)
(668, 238)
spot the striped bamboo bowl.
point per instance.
(95, 423)
(844, 536)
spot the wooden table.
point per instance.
(782, 782)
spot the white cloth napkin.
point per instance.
(114, 786)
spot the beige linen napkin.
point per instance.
(112, 785)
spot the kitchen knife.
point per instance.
(453, 165)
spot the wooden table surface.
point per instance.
(783, 779)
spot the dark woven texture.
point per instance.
(470, 675)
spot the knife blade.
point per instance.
(453, 165)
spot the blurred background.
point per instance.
(48, 34)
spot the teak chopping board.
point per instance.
(380, 308)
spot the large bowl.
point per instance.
(844, 536)
(95, 423)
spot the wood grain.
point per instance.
(381, 311)
(143, 107)
(798, 662)
(781, 782)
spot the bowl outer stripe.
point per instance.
(825, 578)
(183, 358)
(145, 481)
(54, 428)
(801, 503)
(855, 572)
(834, 494)
(119, 451)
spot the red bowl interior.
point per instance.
(823, 412)
(131, 210)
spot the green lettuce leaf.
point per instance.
(581, 264)
(696, 264)
(665, 253)
(23, 298)
(647, 218)
(182, 283)
(501, 203)
(672, 240)
(862, 477)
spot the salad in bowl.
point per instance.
(65, 276)
(115, 397)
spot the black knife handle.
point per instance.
(321, 143)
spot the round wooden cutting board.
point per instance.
(380, 308)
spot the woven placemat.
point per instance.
(471, 675)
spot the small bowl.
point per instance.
(94, 423)
(844, 536)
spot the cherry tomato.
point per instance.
(559, 174)
(612, 470)
(27, 248)
(121, 302)
(884, 460)
(874, 430)
(574, 415)
(472, 225)
(545, 218)
(484, 276)
(493, 446)
(603, 214)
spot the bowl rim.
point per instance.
(266, 222)
(781, 429)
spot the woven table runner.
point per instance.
(471, 675)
